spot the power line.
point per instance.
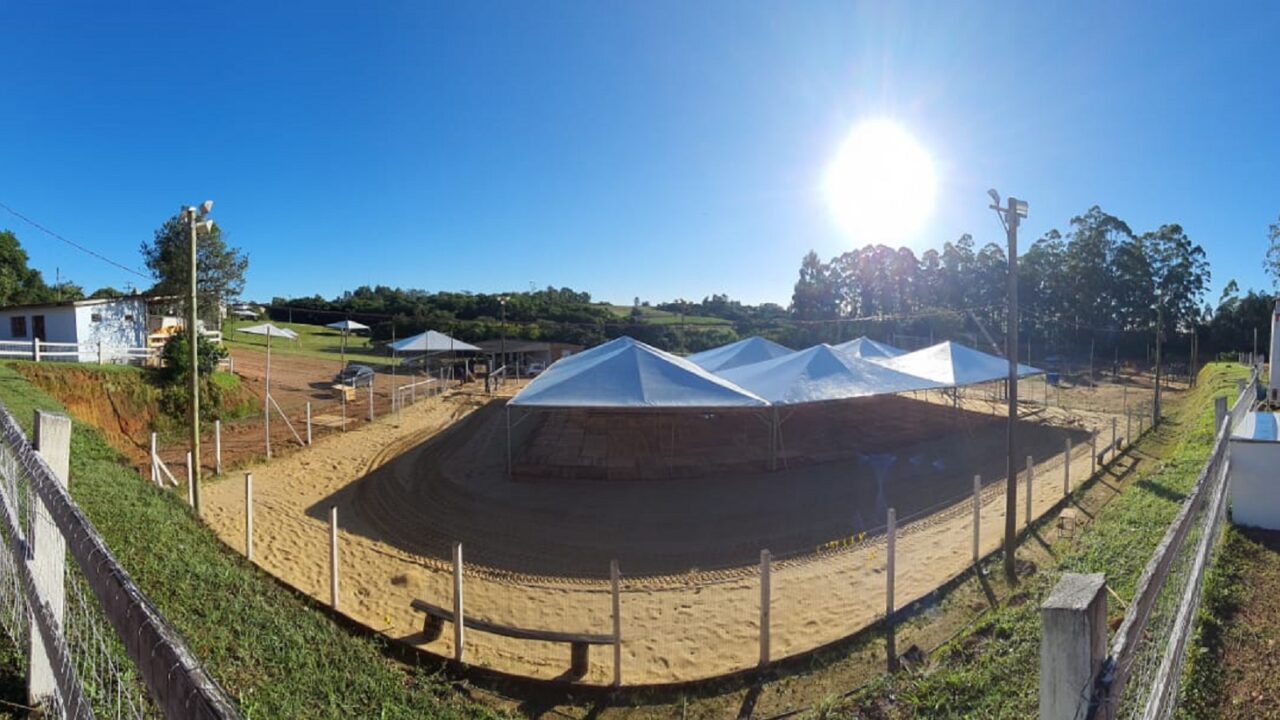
(72, 243)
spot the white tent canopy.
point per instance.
(953, 365)
(432, 341)
(821, 373)
(626, 373)
(743, 352)
(866, 348)
(347, 325)
(269, 330)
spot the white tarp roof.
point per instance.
(953, 365)
(865, 347)
(821, 373)
(743, 352)
(626, 373)
(347, 325)
(432, 341)
(269, 330)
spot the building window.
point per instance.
(128, 318)
(96, 317)
(18, 327)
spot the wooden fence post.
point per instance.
(370, 399)
(191, 482)
(766, 582)
(891, 534)
(217, 446)
(458, 618)
(308, 423)
(35, 349)
(333, 556)
(616, 590)
(1128, 429)
(1066, 469)
(51, 438)
(248, 515)
(1093, 453)
(99, 352)
(1031, 481)
(977, 516)
(1114, 449)
(155, 471)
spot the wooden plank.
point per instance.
(513, 632)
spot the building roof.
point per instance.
(819, 374)
(73, 303)
(736, 354)
(522, 346)
(626, 373)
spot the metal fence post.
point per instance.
(217, 446)
(333, 556)
(458, 618)
(766, 581)
(977, 516)
(248, 515)
(52, 440)
(615, 589)
(1073, 644)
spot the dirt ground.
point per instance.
(537, 551)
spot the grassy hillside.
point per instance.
(991, 669)
(655, 316)
(315, 341)
(277, 653)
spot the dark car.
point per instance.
(356, 376)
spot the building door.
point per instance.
(37, 327)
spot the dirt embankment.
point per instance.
(123, 402)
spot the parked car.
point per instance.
(533, 368)
(355, 376)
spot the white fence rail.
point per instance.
(101, 353)
(96, 644)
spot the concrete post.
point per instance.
(458, 617)
(248, 515)
(370, 399)
(191, 482)
(155, 471)
(1219, 413)
(308, 423)
(52, 440)
(1073, 644)
(217, 446)
(1239, 387)
(1093, 453)
(766, 562)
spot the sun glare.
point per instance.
(880, 186)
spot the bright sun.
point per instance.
(880, 185)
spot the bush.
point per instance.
(176, 377)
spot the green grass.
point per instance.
(315, 341)
(276, 653)
(654, 316)
(991, 671)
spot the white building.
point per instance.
(116, 323)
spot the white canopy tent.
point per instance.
(346, 327)
(953, 365)
(430, 342)
(866, 348)
(626, 374)
(271, 331)
(736, 354)
(819, 374)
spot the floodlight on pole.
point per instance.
(1010, 217)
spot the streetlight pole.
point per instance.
(194, 217)
(1011, 216)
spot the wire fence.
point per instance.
(1141, 676)
(96, 647)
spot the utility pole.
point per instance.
(1010, 216)
(193, 340)
(1155, 406)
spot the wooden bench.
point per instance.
(579, 643)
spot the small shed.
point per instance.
(1255, 482)
(116, 323)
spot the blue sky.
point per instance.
(659, 149)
